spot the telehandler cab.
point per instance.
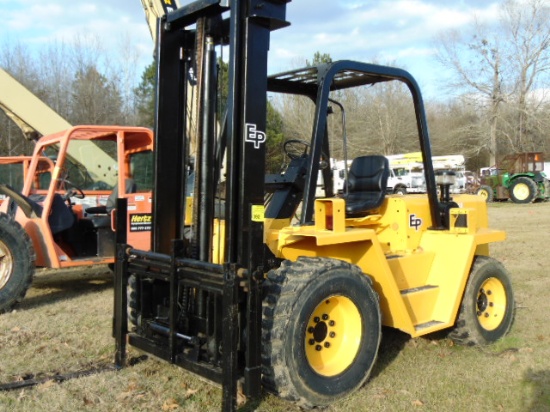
(62, 216)
(13, 170)
(254, 280)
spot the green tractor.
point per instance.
(519, 177)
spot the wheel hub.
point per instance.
(491, 304)
(482, 301)
(6, 264)
(333, 335)
(521, 191)
(320, 332)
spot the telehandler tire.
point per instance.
(133, 300)
(16, 262)
(523, 190)
(321, 330)
(485, 192)
(487, 310)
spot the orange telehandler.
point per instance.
(63, 216)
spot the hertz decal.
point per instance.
(141, 222)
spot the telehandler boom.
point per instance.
(253, 279)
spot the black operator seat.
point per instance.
(100, 215)
(60, 218)
(366, 185)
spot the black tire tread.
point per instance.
(533, 189)
(464, 332)
(488, 190)
(281, 289)
(133, 300)
(14, 229)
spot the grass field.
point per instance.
(64, 325)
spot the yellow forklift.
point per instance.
(254, 282)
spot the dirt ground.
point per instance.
(64, 325)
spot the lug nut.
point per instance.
(331, 323)
(316, 319)
(325, 316)
(311, 342)
(318, 348)
(486, 315)
(311, 329)
(327, 345)
(327, 301)
(332, 334)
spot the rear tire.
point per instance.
(16, 262)
(320, 331)
(487, 310)
(485, 192)
(523, 190)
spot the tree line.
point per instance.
(495, 101)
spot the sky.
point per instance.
(397, 32)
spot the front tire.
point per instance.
(321, 330)
(400, 191)
(487, 310)
(16, 262)
(523, 190)
(485, 192)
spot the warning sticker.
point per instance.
(141, 222)
(258, 212)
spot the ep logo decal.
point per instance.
(414, 221)
(254, 136)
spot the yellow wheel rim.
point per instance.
(491, 304)
(333, 335)
(521, 191)
(6, 264)
(483, 193)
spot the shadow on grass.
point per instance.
(393, 342)
(51, 286)
(539, 384)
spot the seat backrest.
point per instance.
(367, 181)
(130, 187)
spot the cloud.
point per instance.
(366, 30)
(400, 32)
(57, 20)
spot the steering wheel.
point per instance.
(296, 148)
(73, 191)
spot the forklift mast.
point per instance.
(181, 264)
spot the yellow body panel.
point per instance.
(419, 273)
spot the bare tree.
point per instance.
(17, 60)
(56, 76)
(527, 27)
(477, 63)
(500, 66)
(95, 99)
(457, 127)
(78, 79)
